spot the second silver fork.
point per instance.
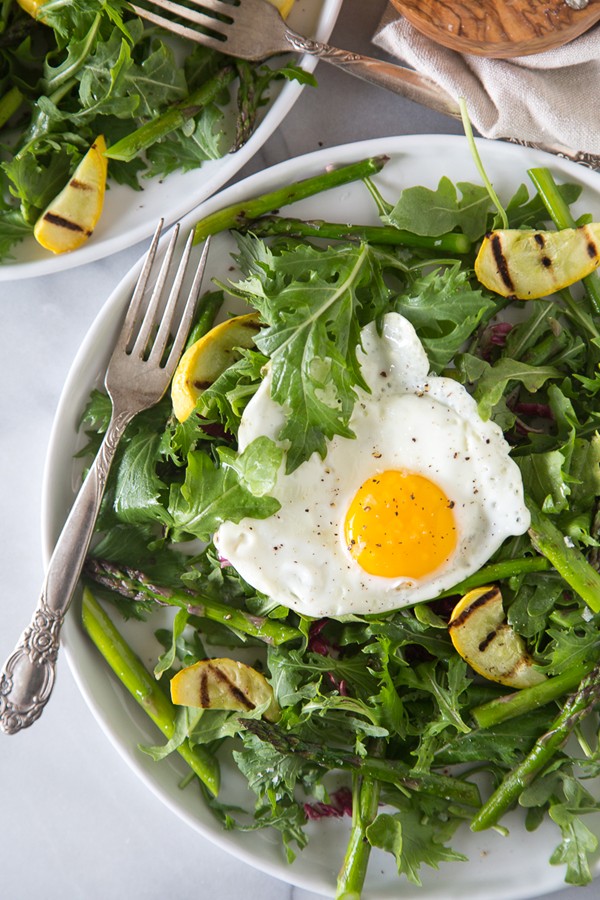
(254, 30)
(137, 377)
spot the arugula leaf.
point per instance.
(578, 842)
(311, 300)
(413, 841)
(544, 476)
(525, 211)
(13, 228)
(226, 399)
(428, 212)
(210, 495)
(445, 311)
(38, 175)
(138, 488)
(491, 381)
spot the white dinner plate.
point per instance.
(129, 216)
(499, 868)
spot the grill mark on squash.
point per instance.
(204, 695)
(591, 247)
(232, 688)
(61, 222)
(485, 643)
(501, 261)
(81, 185)
(464, 615)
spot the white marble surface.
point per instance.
(74, 822)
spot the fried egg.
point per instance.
(418, 500)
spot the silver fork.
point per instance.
(254, 30)
(137, 377)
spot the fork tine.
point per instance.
(191, 34)
(138, 293)
(190, 306)
(143, 336)
(162, 335)
(191, 15)
(222, 7)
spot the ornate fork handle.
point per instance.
(27, 678)
(402, 81)
(417, 87)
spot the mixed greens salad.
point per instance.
(378, 718)
(71, 71)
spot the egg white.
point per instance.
(426, 425)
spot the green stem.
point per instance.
(575, 709)
(500, 709)
(241, 215)
(390, 771)
(562, 217)
(508, 568)
(365, 802)
(135, 585)
(9, 104)
(466, 122)
(142, 138)
(568, 561)
(143, 688)
(269, 226)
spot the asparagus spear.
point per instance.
(507, 568)
(500, 709)
(577, 706)
(268, 226)
(240, 215)
(568, 561)
(135, 585)
(146, 135)
(365, 801)
(143, 687)
(387, 770)
(209, 307)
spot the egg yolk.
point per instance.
(400, 524)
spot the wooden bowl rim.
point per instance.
(582, 21)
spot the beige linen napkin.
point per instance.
(547, 97)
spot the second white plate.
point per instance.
(129, 216)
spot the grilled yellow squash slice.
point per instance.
(482, 636)
(532, 264)
(207, 358)
(224, 684)
(70, 219)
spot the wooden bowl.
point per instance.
(499, 28)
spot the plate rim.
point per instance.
(258, 182)
(231, 164)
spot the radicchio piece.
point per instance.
(530, 410)
(316, 643)
(340, 805)
(494, 336)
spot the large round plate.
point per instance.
(499, 868)
(129, 216)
